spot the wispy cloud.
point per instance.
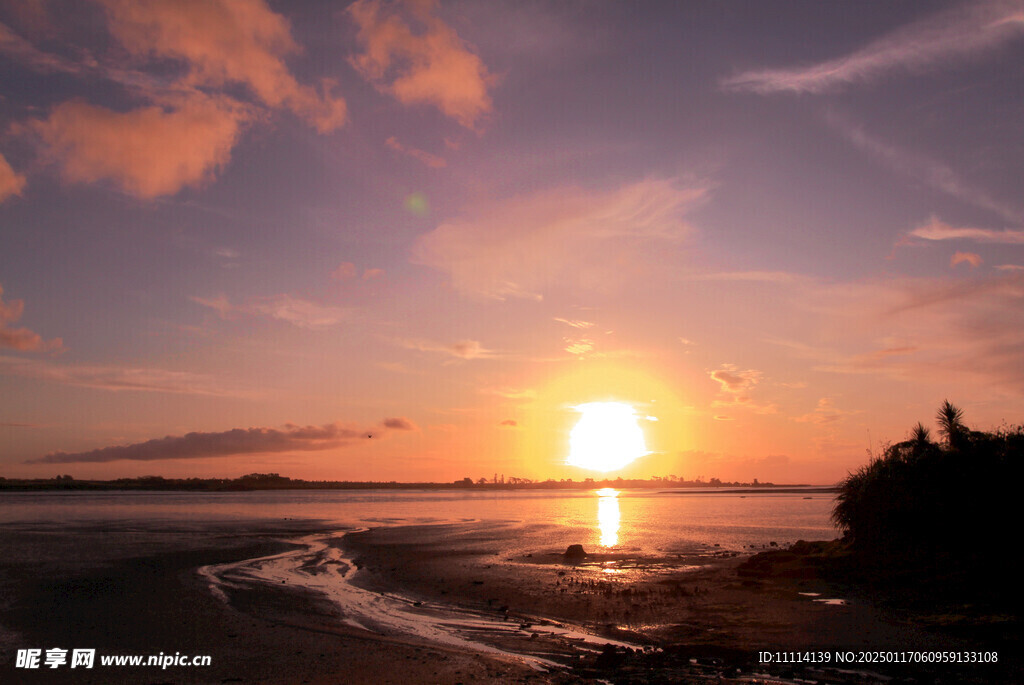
(579, 347)
(431, 65)
(922, 168)
(576, 323)
(432, 161)
(346, 271)
(517, 248)
(964, 32)
(751, 276)
(825, 413)
(296, 311)
(23, 52)
(395, 367)
(21, 339)
(118, 378)
(935, 229)
(524, 394)
(462, 349)
(291, 438)
(970, 330)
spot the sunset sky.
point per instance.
(246, 236)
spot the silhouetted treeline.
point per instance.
(950, 502)
(274, 481)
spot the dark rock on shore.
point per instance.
(575, 552)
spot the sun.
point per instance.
(607, 437)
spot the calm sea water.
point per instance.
(641, 521)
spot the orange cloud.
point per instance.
(11, 183)
(433, 67)
(732, 380)
(969, 257)
(21, 339)
(735, 386)
(520, 246)
(150, 151)
(223, 42)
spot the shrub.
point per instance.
(952, 501)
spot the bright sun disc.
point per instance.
(606, 437)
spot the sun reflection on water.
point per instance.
(608, 516)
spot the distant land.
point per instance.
(274, 481)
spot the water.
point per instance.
(646, 520)
(632, 521)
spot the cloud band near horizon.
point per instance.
(227, 443)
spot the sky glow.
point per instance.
(241, 237)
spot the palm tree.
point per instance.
(951, 424)
(919, 444)
(920, 436)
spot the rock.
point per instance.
(610, 657)
(575, 552)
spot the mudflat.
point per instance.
(136, 589)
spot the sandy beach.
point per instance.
(442, 604)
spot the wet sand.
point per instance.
(693, 618)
